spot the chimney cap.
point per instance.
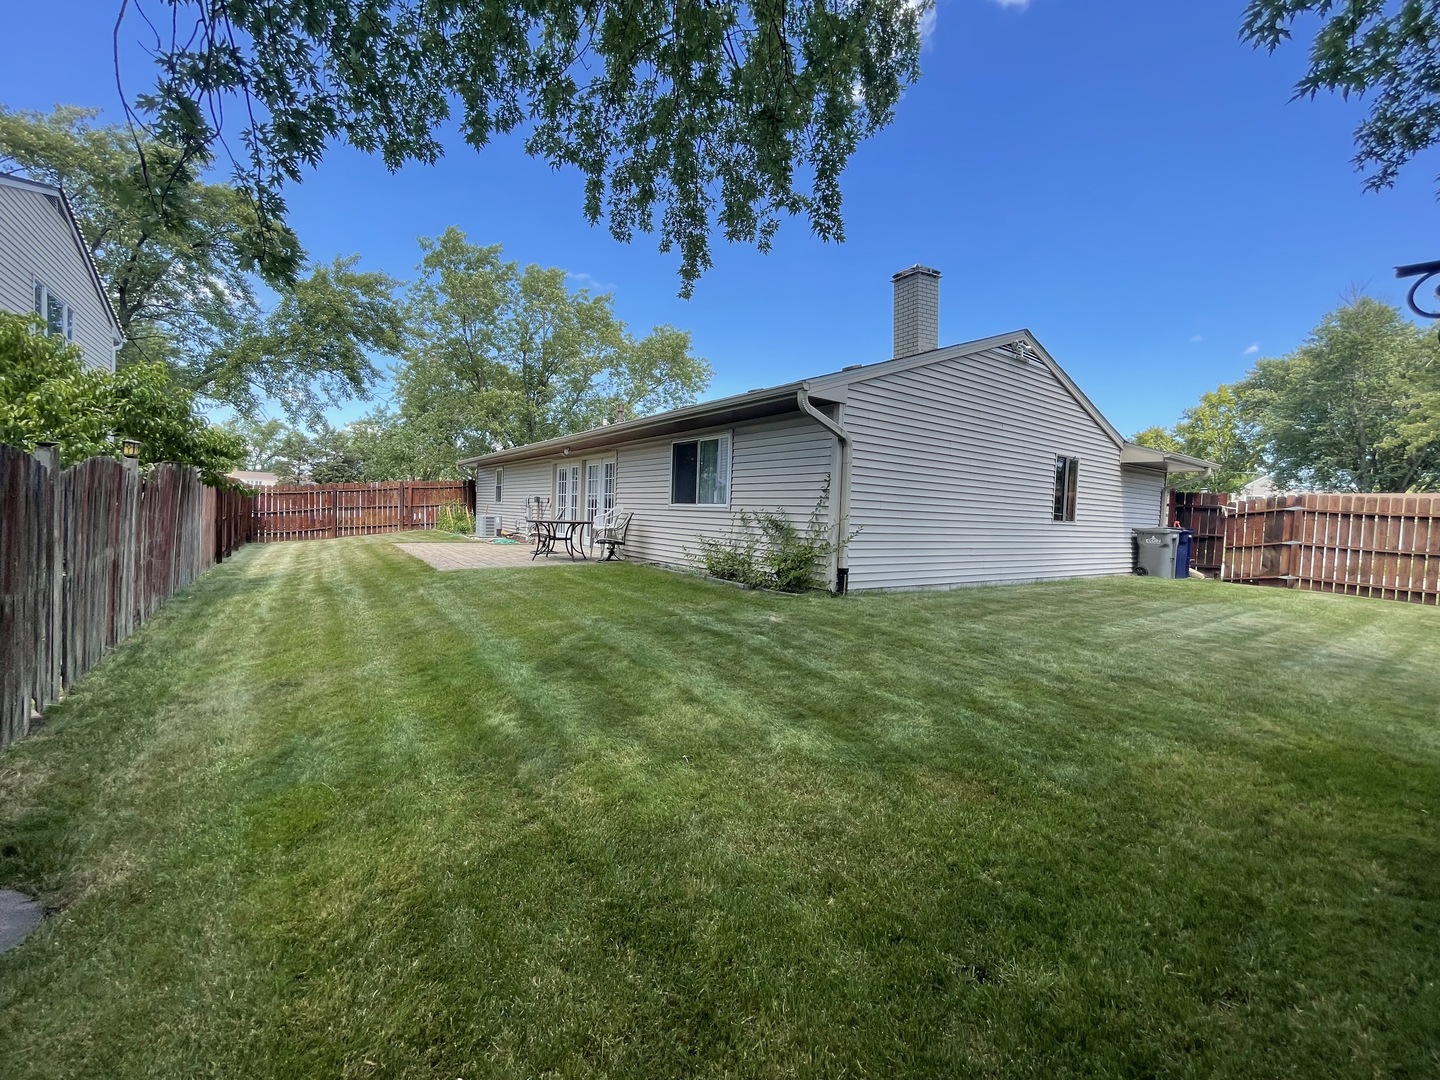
(910, 271)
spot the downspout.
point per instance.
(842, 488)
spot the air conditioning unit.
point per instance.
(487, 524)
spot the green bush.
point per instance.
(455, 517)
(47, 394)
(764, 549)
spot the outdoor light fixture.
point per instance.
(1422, 272)
(130, 448)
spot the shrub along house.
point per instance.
(978, 462)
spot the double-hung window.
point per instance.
(58, 316)
(700, 472)
(499, 483)
(1067, 476)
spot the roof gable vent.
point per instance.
(1023, 351)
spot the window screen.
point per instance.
(700, 472)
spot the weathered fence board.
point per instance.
(320, 511)
(1381, 545)
(86, 555)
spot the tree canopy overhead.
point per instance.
(681, 117)
(1386, 49)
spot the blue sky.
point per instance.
(1125, 179)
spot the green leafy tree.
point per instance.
(1387, 50)
(312, 350)
(48, 395)
(501, 356)
(180, 257)
(1217, 430)
(1158, 438)
(1356, 408)
(680, 117)
(262, 439)
(185, 262)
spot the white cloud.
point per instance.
(1195, 339)
(1018, 5)
(582, 280)
(927, 9)
(1253, 349)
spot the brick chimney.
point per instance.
(917, 310)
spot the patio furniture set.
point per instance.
(607, 529)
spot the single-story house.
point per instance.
(46, 269)
(972, 463)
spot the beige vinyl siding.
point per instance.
(1142, 497)
(953, 477)
(523, 479)
(36, 242)
(775, 464)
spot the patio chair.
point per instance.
(612, 539)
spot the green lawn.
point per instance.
(332, 813)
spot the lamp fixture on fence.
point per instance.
(130, 448)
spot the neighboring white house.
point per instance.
(254, 478)
(46, 270)
(978, 462)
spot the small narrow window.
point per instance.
(58, 316)
(499, 483)
(1067, 475)
(700, 472)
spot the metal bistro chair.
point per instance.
(612, 538)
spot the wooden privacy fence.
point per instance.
(87, 554)
(318, 511)
(1384, 545)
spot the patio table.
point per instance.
(552, 531)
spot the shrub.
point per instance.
(765, 549)
(47, 394)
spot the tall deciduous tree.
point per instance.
(1357, 407)
(1388, 50)
(183, 260)
(501, 356)
(1218, 430)
(680, 117)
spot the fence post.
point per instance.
(404, 522)
(48, 683)
(334, 512)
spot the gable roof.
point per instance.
(61, 203)
(770, 401)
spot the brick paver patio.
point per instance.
(475, 555)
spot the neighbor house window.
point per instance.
(58, 316)
(500, 483)
(1067, 474)
(700, 472)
